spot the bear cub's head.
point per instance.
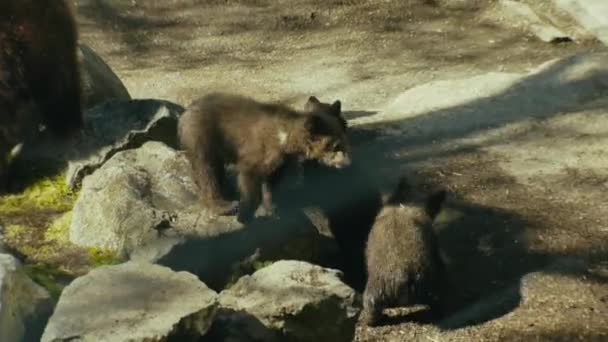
(326, 140)
(404, 195)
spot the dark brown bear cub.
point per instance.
(39, 73)
(402, 254)
(259, 138)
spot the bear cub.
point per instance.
(260, 139)
(402, 254)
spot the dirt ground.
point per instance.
(514, 219)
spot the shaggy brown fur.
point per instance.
(259, 138)
(402, 254)
(39, 73)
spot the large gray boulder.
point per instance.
(99, 82)
(132, 302)
(136, 196)
(118, 125)
(24, 305)
(288, 301)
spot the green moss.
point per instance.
(59, 229)
(98, 257)
(46, 277)
(48, 193)
(25, 241)
(48, 245)
(13, 231)
(20, 237)
(38, 245)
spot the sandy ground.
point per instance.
(526, 190)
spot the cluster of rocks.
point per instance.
(141, 301)
(137, 201)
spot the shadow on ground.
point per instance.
(220, 260)
(490, 223)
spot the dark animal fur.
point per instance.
(39, 73)
(402, 254)
(348, 201)
(221, 128)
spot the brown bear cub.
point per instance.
(39, 72)
(402, 254)
(260, 139)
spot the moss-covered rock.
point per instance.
(49, 246)
(50, 194)
(100, 257)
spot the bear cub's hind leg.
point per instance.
(372, 313)
(208, 174)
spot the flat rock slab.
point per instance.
(118, 125)
(24, 305)
(590, 14)
(289, 301)
(132, 302)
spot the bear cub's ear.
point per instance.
(313, 99)
(400, 194)
(336, 108)
(312, 104)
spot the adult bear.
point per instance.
(39, 73)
